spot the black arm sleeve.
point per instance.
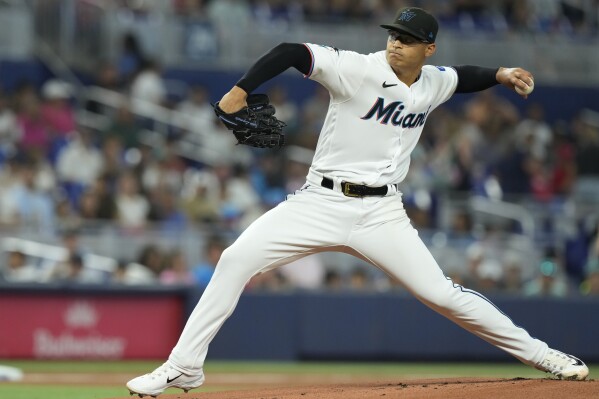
(274, 62)
(474, 78)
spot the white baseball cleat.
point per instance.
(564, 366)
(165, 376)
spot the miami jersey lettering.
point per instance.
(374, 120)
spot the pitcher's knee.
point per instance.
(230, 255)
(234, 262)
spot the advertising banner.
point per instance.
(89, 327)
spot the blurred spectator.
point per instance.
(287, 111)
(80, 162)
(131, 206)
(204, 270)
(269, 281)
(45, 176)
(268, 177)
(119, 276)
(305, 273)
(579, 15)
(89, 205)
(113, 158)
(240, 203)
(541, 186)
(164, 172)
(148, 88)
(512, 279)
(190, 8)
(25, 204)
(489, 275)
(314, 10)
(586, 131)
(200, 201)
(533, 134)
(97, 202)
(461, 225)
(359, 280)
(108, 78)
(419, 208)
(563, 161)
(592, 263)
(199, 114)
(73, 272)
(131, 57)
(533, 137)
(9, 176)
(56, 111)
(147, 268)
(70, 241)
(35, 133)
(550, 280)
(167, 212)
(488, 118)
(590, 285)
(536, 15)
(276, 14)
(10, 132)
(230, 15)
(175, 270)
(17, 270)
(333, 280)
(124, 127)
(487, 250)
(67, 216)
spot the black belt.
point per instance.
(355, 190)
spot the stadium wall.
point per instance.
(395, 327)
(54, 322)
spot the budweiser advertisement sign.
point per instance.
(94, 327)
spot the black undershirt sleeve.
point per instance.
(274, 62)
(474, 78)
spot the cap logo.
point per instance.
(406, 16)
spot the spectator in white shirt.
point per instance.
(148, 89)
(80, 162)
(17, 270)
(132, 207)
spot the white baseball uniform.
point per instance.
(373, 123)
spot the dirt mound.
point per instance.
(415, 389)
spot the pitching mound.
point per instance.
(414, 389)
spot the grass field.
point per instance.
(100, 380)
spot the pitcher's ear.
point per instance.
(430, 49)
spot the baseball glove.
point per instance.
(256, 124)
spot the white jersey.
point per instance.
(374, 120)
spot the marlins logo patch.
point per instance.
(407, 15)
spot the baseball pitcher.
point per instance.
(351, 201)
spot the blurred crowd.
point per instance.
(59, 175)
(570, 17)
(490, 268)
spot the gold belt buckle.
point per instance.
(346, 191)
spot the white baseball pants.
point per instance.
(376, 229)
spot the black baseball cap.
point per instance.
(416, 22)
